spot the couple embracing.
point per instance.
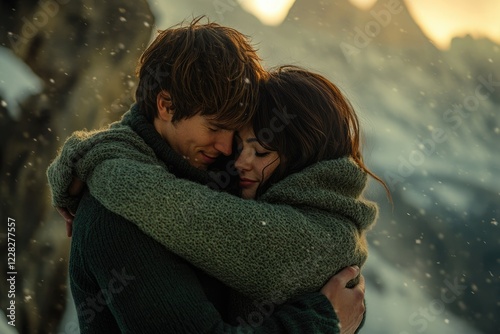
(276, 247)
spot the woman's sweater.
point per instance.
(302, 231)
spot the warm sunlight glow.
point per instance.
(363, 4)
(442, 20)
(269, 12)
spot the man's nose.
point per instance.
(224, 142)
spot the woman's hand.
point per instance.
(348, 303)
(75, 190)
(68, 217)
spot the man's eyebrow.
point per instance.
(219, 126)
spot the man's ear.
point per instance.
(165, 106)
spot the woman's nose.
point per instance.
(243, 161)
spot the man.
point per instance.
(196, 85)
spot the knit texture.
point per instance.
(290, 242)
(124, 282)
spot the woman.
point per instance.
(322, 126)
(309, 220)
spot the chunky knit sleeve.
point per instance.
(78, 158)
(266, 251)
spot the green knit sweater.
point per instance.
(302, 231)
(124, 282)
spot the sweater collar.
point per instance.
(334, 186)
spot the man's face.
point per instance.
(199, 139)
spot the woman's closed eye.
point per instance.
(261, 154)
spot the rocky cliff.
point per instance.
(84, 54)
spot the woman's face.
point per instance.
(255, 164)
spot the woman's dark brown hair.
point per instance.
(306, 119)
(207, 68)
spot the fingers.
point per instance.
(68, 217)
(346, 275)
(65, 214)
(348, 303)
(69, 229)
(358, 294)
(361, 283)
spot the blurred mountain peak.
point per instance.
(388, 23)
(323, 12)
(469, 41)
(399, 28)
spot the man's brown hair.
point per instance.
(207, 69)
